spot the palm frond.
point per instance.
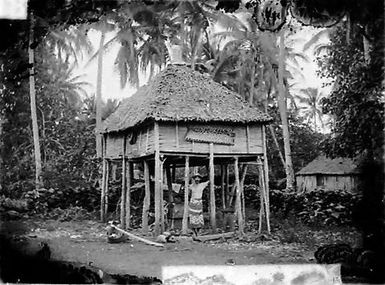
(315, 39)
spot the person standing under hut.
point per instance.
(196, 206)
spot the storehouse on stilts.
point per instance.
(182, 118)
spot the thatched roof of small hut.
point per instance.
(329, 166)
(181, 94)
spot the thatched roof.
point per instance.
(328, 166)
(181, 94)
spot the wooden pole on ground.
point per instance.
(128, 195)
(212, 190)
(238, 199)
(186, 190)
(223, 186)
(124, 187)
(137, 238)
(146, 201)
(157, 181)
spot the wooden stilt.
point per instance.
(261, 195)
(146, 201)
(238, 198)
(173, 172)
(170, 196)
(128, 193)
(124, 187)
(157, 195)
(223, 186)
(266, 176)
(242, 183)
(186, 192)
(106, 191)
(227, 174)
(212, 190)
(265, 200)
(161, 194)
(103, 193)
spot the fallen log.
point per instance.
(214, 236)
(138, 238)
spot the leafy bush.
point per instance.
(44, 200)
(319, 207)
(70, 214)
(13, 204)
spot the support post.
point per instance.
(242, 183)
(103, 193)
(170, 196)
(223, 186)
(212, 190)
(238, 198)
(146, 201)
(186, 192)
(157, 195)
(266, 176)
(173, 173)
(262, 210)
(106, 191)
(128, 195)
(124, 187)
(161, 192)
(227, 170)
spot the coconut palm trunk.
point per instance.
(2, 120)
(283, 113)
(98, 97)
(32, 94)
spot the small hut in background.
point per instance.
(330, 174)
(182, 119)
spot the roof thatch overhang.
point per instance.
(179, 94)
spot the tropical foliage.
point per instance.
(356, 102)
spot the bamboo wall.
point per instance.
(328, 182)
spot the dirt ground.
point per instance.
(85, 242)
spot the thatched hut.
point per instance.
(182, 118)
(329, 174)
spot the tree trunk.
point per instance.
(99, 81)
(251, 90)
(2, 121)
(277, 145)
(283, 113)
(367, 46)
(348, 28)
(32, 93)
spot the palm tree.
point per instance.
(271, 80)
(104, 26)
(70, 43)
(282, 104)
(311, 109)
(32, 93)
